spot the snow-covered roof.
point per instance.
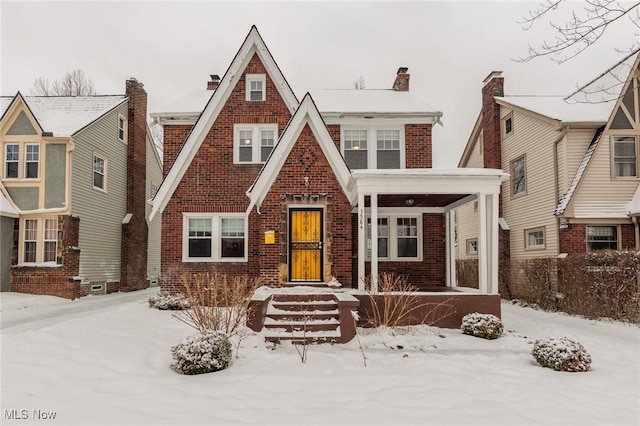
(7, 207)
(192, 103)
(370, 101)
(557, 108)
(633, 208)
(66, 115)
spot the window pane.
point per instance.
(13, 152)
(232, 247)
(267, 142)
(602, 238)
(245, 151)
(356, 159)
(12, 157)
(32, 170)
(518, 174)
(98, 172)
(232, 238)
(12, 169)
(200, 247)
(408, 247)
(624, 152)
(388, 159)
(407, 227)
(200, 228)
(355, 139)
(30, 237)
(50, 239)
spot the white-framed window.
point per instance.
(256, 85)
(602, 238)
(11, 160)
(30, 241)
(99, 172)
(624, 156)
(214, 237)
(399, 237)
(507, 125)
(32, 161)
(50, 240)
(254, 143)
(534, 238)
(472, 246)
(373, 148)
(122, 128)
(518, 176)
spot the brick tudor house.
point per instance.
(262, 184)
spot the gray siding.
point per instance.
(6, 246)
(55, 173)
(25, 198)
(100, 212)
(154, 178)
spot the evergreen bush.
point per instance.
(487, 326)
(561, 354)
(206, 352)
(169, 302)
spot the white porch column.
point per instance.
(482, 244)
(374, 243)
(492, 238)
(450, 239)
(362, 241)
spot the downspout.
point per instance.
(636, 228)
(556, 188)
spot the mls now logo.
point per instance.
(24, 414)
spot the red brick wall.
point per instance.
(56, 280)
(418, 149)
(212, 183)
(428, 273)
(628, 239)
(135, 234)
(173, 139)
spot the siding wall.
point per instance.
(154, 178)
(100, 212)
(535, 139)
(599, 194)
(467, 218)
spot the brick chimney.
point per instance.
(402, 80)
(134, 226)
(493, 86)
(214, 82)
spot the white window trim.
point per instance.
(617, 231)
(45, 240)
(256, 130)
(613, 157)
(40, 240)
(468, 246)
(104, 174)
(216, 237)
(372, 142)
(122, 119)
(5, 160)
(529, 231)
(26, 161)
(256, 77)
(503, 125)
(511, 180)
(393, 237)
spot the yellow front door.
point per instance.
(306, 245)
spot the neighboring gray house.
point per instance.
(74, 193)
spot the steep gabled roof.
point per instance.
(253, 44)
(307, 113)
(64, 115)
(566, 198)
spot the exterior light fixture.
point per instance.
(409, 202)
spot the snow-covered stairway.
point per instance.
(303, 317)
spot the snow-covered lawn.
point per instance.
(105, 360)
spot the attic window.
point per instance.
(624, 156)
(256, 87)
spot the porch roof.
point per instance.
(450, 184)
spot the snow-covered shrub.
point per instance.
(203, 353)
(169, 302)
(487, 326)
(561, 354)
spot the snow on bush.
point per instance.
(561, 354)
(487, 326)
(169, 302)
(203, 353)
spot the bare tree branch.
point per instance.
(582, 30)
(359, 83)
(73, 83)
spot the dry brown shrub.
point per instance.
(218, 301)
(399, 303)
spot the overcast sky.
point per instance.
(172, 47)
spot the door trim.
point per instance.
(321, 243)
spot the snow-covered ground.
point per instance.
(105, 360)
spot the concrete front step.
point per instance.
(300, 337)
(308, 325)
(305, 306)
